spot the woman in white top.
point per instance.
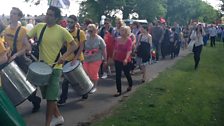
(144, 49)
(197, 36)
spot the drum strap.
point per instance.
(14, 41)
(41, 35)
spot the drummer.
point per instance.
(8, 113)
(49, 49)
(19, 46)
(80, 38)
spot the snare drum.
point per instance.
(77, 77)
(39, 73)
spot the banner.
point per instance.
(59, 3)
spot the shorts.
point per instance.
(51, 91)
(92, 69)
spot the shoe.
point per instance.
(93, 90)
(85, 96)
(57, 120)
(104, 75)
(36, 105)
(128, 89)
(117, 94)
(109, 71)
(61, 102)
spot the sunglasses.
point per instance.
(90, 31)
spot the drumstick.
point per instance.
(33, 57)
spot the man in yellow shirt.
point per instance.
(80, 38)
(53, 38)
(19, 48)
(9, 114)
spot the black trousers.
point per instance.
(119, 67)
(197, 53)
(212, 41)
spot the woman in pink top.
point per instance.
(122, 58)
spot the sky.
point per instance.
(30, 8)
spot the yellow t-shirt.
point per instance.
(2, 47)
(9, 34)
(82, 39)
(52, 41)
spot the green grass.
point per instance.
(180, 96)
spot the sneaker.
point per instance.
(104, 75)
(57, 120)
(61, 102)
(93, 90)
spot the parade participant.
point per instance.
(144, 49)
(8, 113)
(49, 50)
(197, 36)
(212, 34)
(95, 52)
(173, 42)
(157, 36)
(15, 36)
(119, 22)
(80, 38)
(106, 33)
(122, 58)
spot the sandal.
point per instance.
(117, 94)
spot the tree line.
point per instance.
(181, 11)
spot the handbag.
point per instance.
(191, 45)
(192, 42)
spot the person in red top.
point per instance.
(122, 58)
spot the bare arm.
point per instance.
(26, 48)
(70, 50)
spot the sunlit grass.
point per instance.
(180, 96)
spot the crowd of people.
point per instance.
(100, 49)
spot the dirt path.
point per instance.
(78, 112)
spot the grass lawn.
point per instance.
(180, 96)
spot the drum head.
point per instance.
(40, 68)
(68, 67)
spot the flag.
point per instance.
(59, 3)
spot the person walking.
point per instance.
(212, 34)
(122, 58)
(144, 49)
(80, 38)
(49, 50)
(197, 36)
(95, 53)
(15, 36)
